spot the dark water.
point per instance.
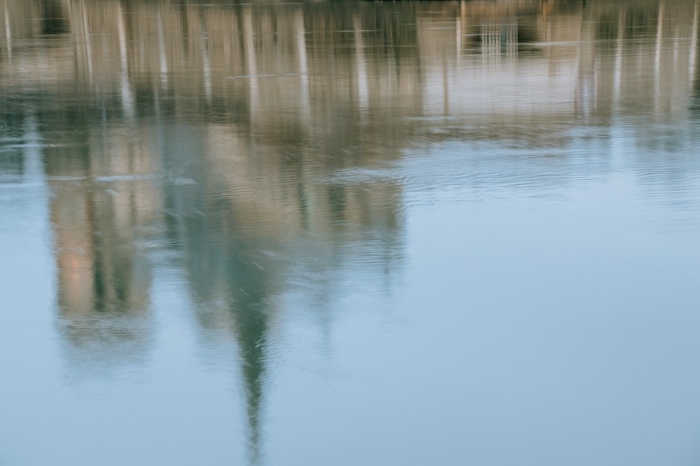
(343, 233)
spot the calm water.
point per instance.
(342, 233)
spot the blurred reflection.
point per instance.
(264, 144)
(695, 61)
(102, 203)
(53, 17)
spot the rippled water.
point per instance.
(349, 233)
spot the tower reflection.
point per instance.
(102, 203)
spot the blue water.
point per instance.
(349, 233)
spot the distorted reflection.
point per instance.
(100, 206)
(268, 147)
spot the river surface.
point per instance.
(349, 233)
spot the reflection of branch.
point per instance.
(8, 31)
(694, 45)
(127, 93)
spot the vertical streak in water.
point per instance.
(445, 86)
(249, 50)
(676, 46)
(206, 64)
(494, 37)
(300, 32)
(586, 86)
(657, 60)
(486, 42)
(162, 57)
(463, 16)
(618, 57)
(512, 41)
(693, 44)
(33, 165)
(86, 38)
(458, 39)
(127, 95)
(362, 84)
(8, 32)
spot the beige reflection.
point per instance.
(262, 138)
(425, 59)
(103, 204)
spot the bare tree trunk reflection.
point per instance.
(8, 30)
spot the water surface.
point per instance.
(349, 233)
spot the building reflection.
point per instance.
(102, 204)
(259, 142)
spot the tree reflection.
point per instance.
(53, 18)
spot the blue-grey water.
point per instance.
(349, 233)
